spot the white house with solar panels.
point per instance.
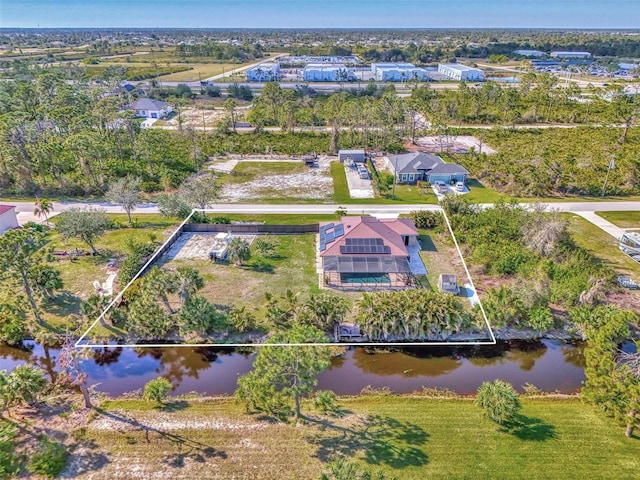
(461, 73)
(364, 253)
(265, 72)
(328, 72)
(398, 72)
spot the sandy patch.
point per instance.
(314, 183)
(453, 144)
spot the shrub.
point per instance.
(49, 459)
(326, 402)
(499, 401)
(157, 390)
(541, 319)
(426, 218)
(9, 465)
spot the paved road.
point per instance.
(330, 208)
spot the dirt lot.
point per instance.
(452, 144)
(309, 183)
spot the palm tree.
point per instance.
(239, 251)
(43, 207)
(188, 283)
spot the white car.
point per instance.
(441, 187)
(460, 187)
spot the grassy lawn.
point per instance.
(292, 267)
(602, 245)
(200, 71)
(408, 437)
(622, 219)
(439, 256)
(280, 219)
(340, 186)
(478, 193)
(403, 193)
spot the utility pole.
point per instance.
(612, 165)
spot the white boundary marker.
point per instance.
(153, 258)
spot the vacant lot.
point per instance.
(78, 275)
(276, 180)
(407, 437)
(199, 71)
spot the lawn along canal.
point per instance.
(549, 365)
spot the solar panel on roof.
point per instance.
(339, 230)
(323, 246)
(330, 237)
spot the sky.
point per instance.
(321, 13)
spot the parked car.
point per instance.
(363, 172)
(460, 186)
(441, 187)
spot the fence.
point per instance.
(250, 228)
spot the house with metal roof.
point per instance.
(416, 166)
(150, 108)
(364, 253)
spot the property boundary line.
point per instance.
(164, 247)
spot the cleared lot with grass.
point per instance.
(408, 437)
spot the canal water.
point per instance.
(547, 364)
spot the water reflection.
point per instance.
(214, 371)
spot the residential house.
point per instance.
(448, 283)
(412, 167)
(8, 218)
(367, 253)
(150, 108)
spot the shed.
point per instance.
(448, 283)
(354, 155)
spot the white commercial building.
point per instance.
(571, 54)
(529, 53)
(265, 72)
(324, 72)
(8, 219)
(398, 72)
(460, 72)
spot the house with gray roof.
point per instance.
(150, 108)
(412, 167)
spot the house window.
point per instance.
(411, 177)
(154, 115)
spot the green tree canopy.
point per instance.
(284, 375)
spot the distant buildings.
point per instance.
(265, 72)
(150, 108)
(460, 72)
(570, 54)
(398, 72)
(328, 72)
(8, 219)
(529, 53)
(327, 59)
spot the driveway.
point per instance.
(358, 187)
(598, 221)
